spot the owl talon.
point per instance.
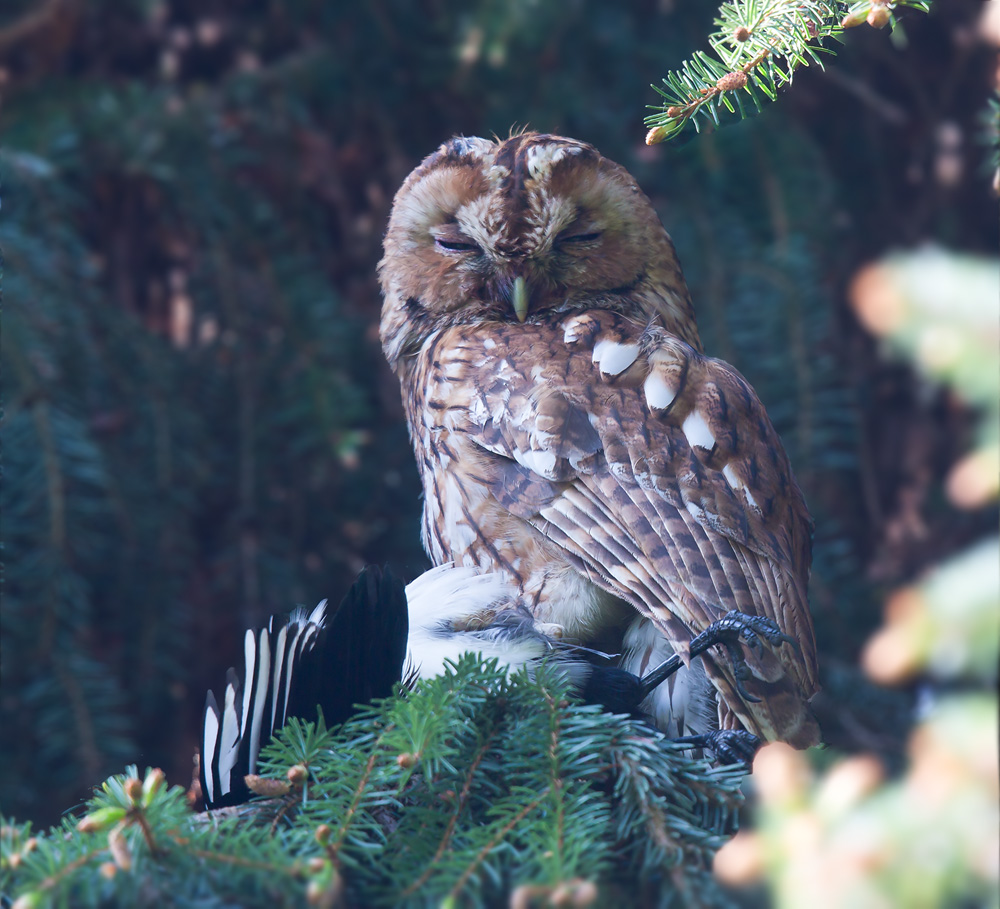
(753, 630)
(742, 674)
(758, 627)
(731, 746)
(728, 631)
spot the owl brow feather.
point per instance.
(464, 151)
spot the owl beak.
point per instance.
(519, 297)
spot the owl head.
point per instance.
(521, 230)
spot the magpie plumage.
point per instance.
(383, 633)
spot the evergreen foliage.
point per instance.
(459, 793)
(756, 49)
(181, 448)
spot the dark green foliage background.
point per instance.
(163, 490)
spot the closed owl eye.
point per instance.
(456, 245)
(453, 240)
(579, 238)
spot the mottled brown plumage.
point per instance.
(591, 453)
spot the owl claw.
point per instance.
(754, 630)
(742, 674)
(728, 631)
(731, 746)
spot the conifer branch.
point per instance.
(547, 797)
(249, 864)
(758, 46)
(556, 788)
(449, 832)
(333, 850)
(54, 880)
(495, 841)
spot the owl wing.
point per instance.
(657, 472)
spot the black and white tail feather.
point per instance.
(254, 707)
(330, 660)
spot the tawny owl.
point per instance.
(569, 431)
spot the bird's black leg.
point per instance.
(728, 631)
(731, 746)
(656, 677)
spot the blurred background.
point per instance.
(199, 427)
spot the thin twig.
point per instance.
(51, 881)
(491, 845)
(334, 848)
(453, 821)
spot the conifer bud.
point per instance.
(268, 788)
(658, 133)
(741, 860)
(878, 15)
(133, 789)
(674, 111)
(100, 819)
(585, 894)
(322, 834)
(314, 892)
(406, 760)
(325, 888)
(731, 81)
(853, 20)
(108, 870)
(297, 774)
(560, 895)
(576, 893)
(152, 784)
(316, 864)
(119, 849)
(742, 33)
